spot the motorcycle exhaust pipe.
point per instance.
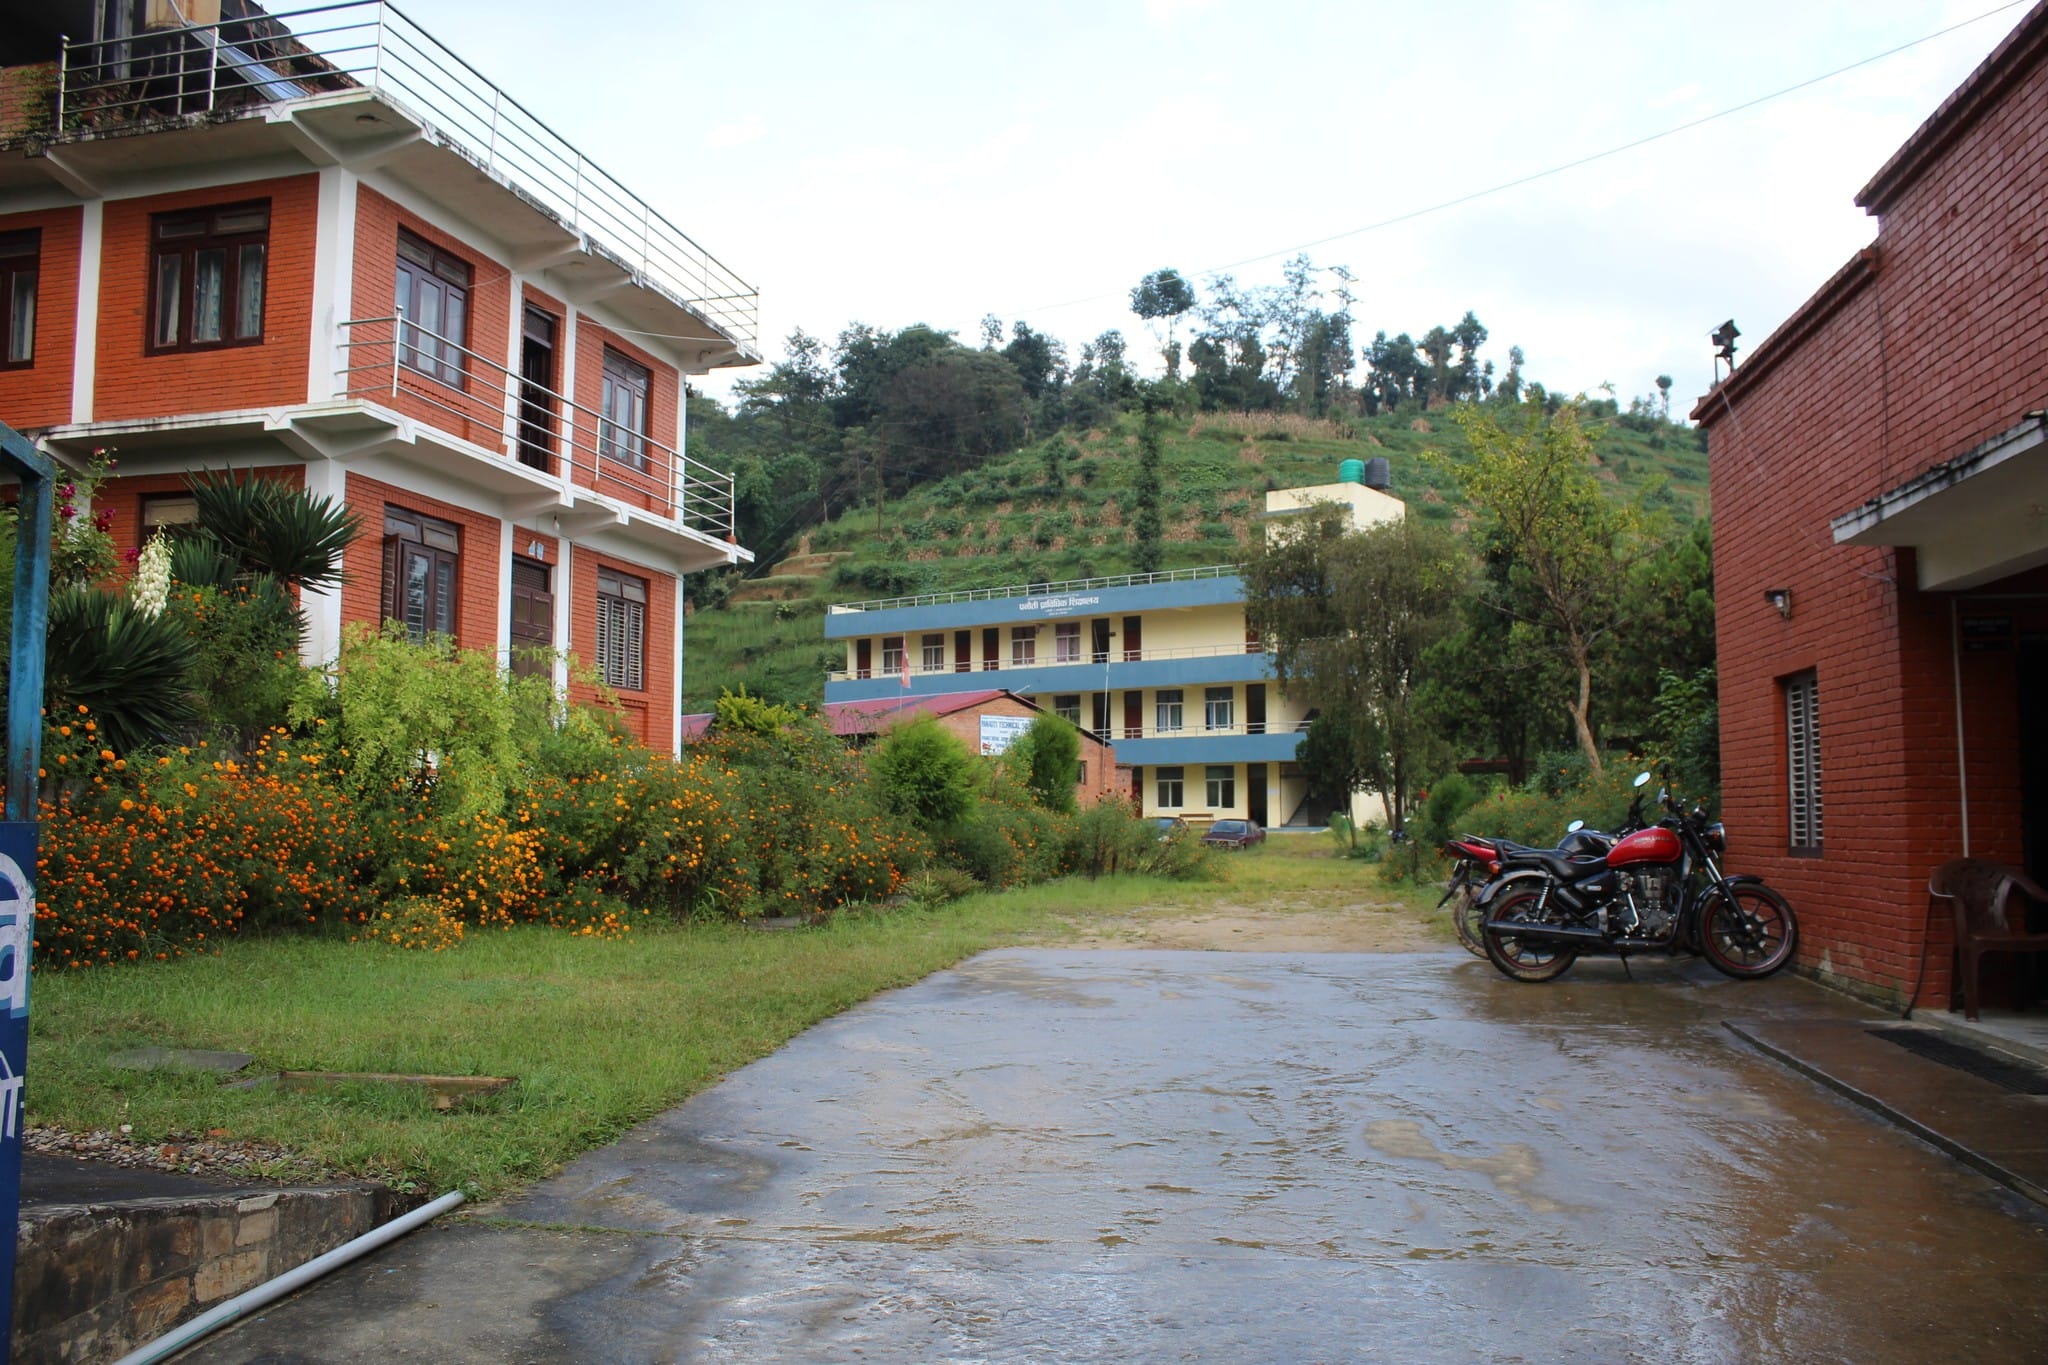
(1556, 933)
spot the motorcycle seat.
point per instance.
(1564, 869)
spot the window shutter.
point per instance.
(635, 645)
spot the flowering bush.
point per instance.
(172, 851)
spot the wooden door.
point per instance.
(533, 619)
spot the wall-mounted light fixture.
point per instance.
(1781, 599)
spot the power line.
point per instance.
(1561, 168)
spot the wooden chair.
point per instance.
(1988, 917)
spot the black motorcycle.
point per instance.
(1660, 889)
(1476, 863)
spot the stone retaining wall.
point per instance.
(94, 1281)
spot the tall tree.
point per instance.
(1162, 298)
(1570, 546)
(1347, 617)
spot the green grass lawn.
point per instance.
(599, 1035)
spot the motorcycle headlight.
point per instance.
(1717, 837)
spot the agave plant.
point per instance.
(267, 527)
(128, 666)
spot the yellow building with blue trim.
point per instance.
(1161, 665)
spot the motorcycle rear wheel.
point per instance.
(1525, 959)
(1748, 931)
(1465, 919)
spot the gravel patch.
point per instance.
(189, 1153)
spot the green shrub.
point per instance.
(923, 771)
(1046, 759)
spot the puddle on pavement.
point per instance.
(1511, 1169)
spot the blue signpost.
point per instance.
(18, 831)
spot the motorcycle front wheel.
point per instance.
(1525, 959)
(1748, 931)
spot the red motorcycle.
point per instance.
(1660, 889)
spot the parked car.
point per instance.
(1169, 826)
(1234, 834)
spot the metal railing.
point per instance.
(1066, 588)
(311, 51)
(1087, 659)
(537, 426)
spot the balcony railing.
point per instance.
(287, 55)
(1087, 659)
(537, 426)
(1067, 588)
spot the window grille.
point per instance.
(1802, 742)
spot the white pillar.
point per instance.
(334, 236)
(564, 583)
(86, 335)
(321, 607)
(506, 531)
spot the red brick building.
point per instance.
(1880, 493)
(985, 720)
(312, 243)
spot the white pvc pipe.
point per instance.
(178, 1338)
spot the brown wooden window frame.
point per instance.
(21, 260)
(177, 242)
(622, 630)
(440, 352)
(626, 410)
(435, 543)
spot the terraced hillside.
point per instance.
(1060, 509)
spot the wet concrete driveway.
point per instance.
(1057, 1155)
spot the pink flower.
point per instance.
(67, 511)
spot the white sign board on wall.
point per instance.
(998, 733)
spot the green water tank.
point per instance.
(1351, 471)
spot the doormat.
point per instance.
(2017, 1077)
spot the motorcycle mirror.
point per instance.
(1642, 779)
(1574, 827)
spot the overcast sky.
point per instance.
(911, 162)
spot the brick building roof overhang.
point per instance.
(2023, 48)
(1978, 517)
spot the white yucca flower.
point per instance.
(152, 586)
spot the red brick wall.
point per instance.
(40, 396)
(650, 713)
(649, 490)
(476, 411)
(477, 609)
(1943, 346)
(130, 383)
(27, 99)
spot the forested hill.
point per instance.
(1066, 506)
